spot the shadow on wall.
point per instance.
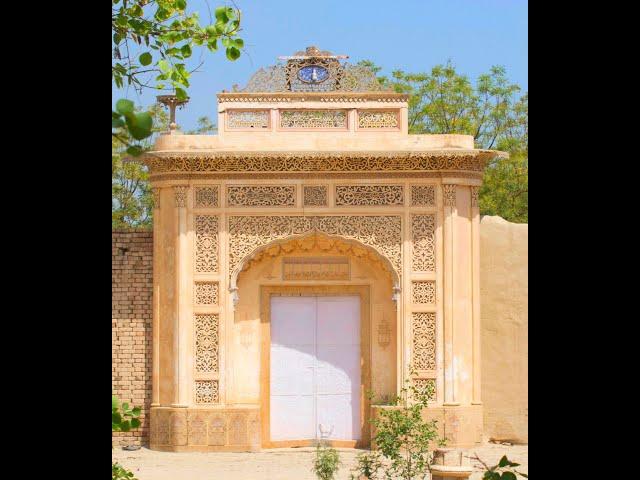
(504, 323)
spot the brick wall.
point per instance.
(131, 320)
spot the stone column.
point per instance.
(181, 326)
(155, 376)
(450, 213)
(475, 266)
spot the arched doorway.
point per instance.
(327, 329)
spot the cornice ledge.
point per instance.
(312, 96)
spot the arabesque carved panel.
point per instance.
(423, 341)
(206, 391)
(313, 119)
(423, 195)
(375, 119)
(206, 343)
(206, 293)
(423, 292)
(241, 119)
(423, 228)
(315, 195)
(206, 243)
(369, 195)
(261, 195)
(206, 196)
(382, 233)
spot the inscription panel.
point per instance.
(316, 268)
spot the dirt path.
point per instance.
(277, 464)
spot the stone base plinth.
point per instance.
(224, 429)
(460, 425)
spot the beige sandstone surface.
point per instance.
(276, 464)
(504, 317)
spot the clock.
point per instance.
(313, 74)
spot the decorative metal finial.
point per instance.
(172, 102)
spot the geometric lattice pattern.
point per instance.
(424, 340)
(423, 292)
(248, 119)
(206, 293)
(314, 196)
(206, 337)
(206, 391)
(206, 243)
(369, 195)
(423, 195)
(423, 228)
(372, 119)
(261, 195)
(206, 197)
(313, 119)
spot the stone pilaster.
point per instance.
(155, 375)
(182, 320)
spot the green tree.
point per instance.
(131, 198)
(152, 42)
(445, 101)
(205, 127)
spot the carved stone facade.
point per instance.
(317, 189)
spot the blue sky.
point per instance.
(412, 35)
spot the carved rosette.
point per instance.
(180, 195)
(449, 195)
(475, 191)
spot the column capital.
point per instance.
(449, 194)
(180, 195)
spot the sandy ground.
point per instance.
(277, 464)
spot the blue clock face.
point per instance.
(313, 74)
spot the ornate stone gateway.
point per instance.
(312, 188)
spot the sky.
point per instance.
(411, 35)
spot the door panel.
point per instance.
(315, 368)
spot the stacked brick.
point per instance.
(131, 321)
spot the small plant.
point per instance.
(504, 470)
(403, 437)
(326, 463)
(120, 473)
(123, 418)
(368, 466)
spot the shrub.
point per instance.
(326, 463)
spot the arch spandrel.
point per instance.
(356, 231)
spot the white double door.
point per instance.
(315, 368)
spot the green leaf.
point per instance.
(124, 106)
(114, 399)
(509, 476)
(135, 423)
(163, 65)
(186, 50)
(135, 151)
(181, 4)
(504, 461)
(140, 125)
(136, 411)
(221, 14)
(213, 44)
(239, 43)
(117, 122)
(116, 418)
(145, 59)
(233, 53)
(181, 93)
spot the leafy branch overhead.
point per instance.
(152, 43)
